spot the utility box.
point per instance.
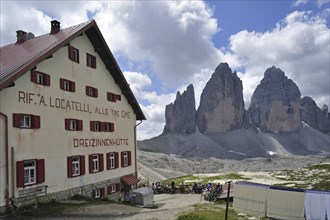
(143, 197)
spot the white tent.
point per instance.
(250, 198)
(317, 204)
(285, 203)
(143, 196)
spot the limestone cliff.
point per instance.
(312, 115)
(180, 116)
(275, 103)
(221, 105)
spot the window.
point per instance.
(76, 166)
(108, 127)
(125, 158)
(67, 85)
(92, 92)
(112, 160)
(96, 126)
(30, 172)
(95, 163)
(113, 188)
(26, 121)
(113, 97)
(73, 124)
(91, 61)
(74, 54)
(97, 193)
(40, 78)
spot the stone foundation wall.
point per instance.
(86, 190)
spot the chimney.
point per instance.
(21, 36)
(55, 26)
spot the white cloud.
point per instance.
(152, 104)
(299, 45)
(322, 2)
(300, 2)
(174, 36)
(319, 3)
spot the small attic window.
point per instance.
(74, 54)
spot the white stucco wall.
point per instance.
(52, 142)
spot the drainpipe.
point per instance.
(135, 146)
(6, 160)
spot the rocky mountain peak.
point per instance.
(221, 106)
(180, 116)
(275, 103)
(314, 116)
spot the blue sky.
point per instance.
(163, 46)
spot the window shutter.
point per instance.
(87, 89)
(108, 161)
(116, 159)
(82, 165)
(112, 127)
(36, 121)
(20, 173)
(62, 84)
(96, 93)
(80, 125)
(102, 126)
(70, 52)
(109, 190)
(92, 125)
(129, 158)
(90, 163)
(67, 124)
(94, 62)
(77, 55)
(33, 76)
(69, 159)
(40, 171)
(117, 187)
(101, 162)
(101, 192)
(47, 80)
(122, 159)
(72, 86)
(16, 121)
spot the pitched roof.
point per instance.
(17, 59)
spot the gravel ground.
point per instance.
(169, 207)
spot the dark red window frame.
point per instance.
(129, 158)
(110, 188)
(71, 54)
(40, 172)
(35, 121)
(95, 92)
(72, 85)
(113, 97)
(81, 163)
(90, 60)
(34, 78)
(79, 124)
(116, 160)
(91, 164)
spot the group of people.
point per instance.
(209, 190)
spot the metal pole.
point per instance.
(227, 201)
